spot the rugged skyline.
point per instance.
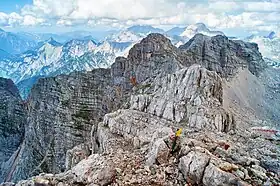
(232, 17)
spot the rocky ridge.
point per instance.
(12, 121)
(129, 144)
(222, 55)
(63, 107)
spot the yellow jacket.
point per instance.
(179, 132)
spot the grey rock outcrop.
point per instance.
(191, 96)
(61, 112)
(95, 170)
(222, 55)
(12, 121)
(75, 155)
(193, 166)
(155, 54)
(196, 89)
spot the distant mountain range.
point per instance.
(180, 36)
(268, 45)
(25, 57)
(144, 29)
(51, 58)
(14, 43)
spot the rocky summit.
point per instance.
(201, 114)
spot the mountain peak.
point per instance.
(74, 42)
(144, 29)
(50, 41)
(198, 27)
(156, 37)
(53, 42)
(271, 35)
(191, 30)
(124, 36)
(201, 25)
(153, 43)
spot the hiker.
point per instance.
(174, 142)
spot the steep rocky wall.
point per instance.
(193, 96)
(207, 156)
(155, 54)
(222, 55)
(61, 112)
(12, 121)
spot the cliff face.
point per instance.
(12, 121)
(222, 55)
(191, 97)
(61, 111)
(174, 88)
(155, 54)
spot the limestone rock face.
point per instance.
(155, 54)
(132, 125)
(191, 96)
(222, 55)
(61, 112)
(12, 121)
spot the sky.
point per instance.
(232, 16)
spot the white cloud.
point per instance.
(3, 18)
(85, 9)
(50, 8)
(29, 20)
(14, 19)
(224, 6)
(243, 20)
(265, 6)
(10, 19)
(251, 14)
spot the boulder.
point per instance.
(214, 176)
(193, 165)
(75, 155)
